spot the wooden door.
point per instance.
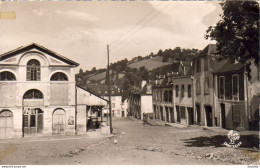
(6, 124)
(58, 122)
(223, 115)
(209, 116)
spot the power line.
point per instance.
(137, 23)
(139, 28)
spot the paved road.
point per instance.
(136, 144)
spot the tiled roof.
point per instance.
(39, 47)
(210, 49)
(227, 67)
(102, 90)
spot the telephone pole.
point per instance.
(109, 91)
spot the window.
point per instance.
(166, 96)
(198, 86)
(189, 90)
(170, 96)
(235, 87)
(7, 76)
(198, 65)
(206, 86)
(177, 90)
(33, 70)
(59, 76)
(206, 64)
(221, 87)
(113, 105)
(113, 98)
(33, 94)
(182, 90)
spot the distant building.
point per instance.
(172, 95)
(117, 106)
(140, 101)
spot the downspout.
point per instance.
(76, 111)
(248, 116)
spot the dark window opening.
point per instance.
(182, 90)
(7, 76)
(189, 90)
(33, 94)
(177, 90)
(59, 76)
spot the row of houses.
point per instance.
(210, 93)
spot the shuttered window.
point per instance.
(33, 70)
(221, 87)
(235, 87)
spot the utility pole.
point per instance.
(109, 91)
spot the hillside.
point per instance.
(150, 63)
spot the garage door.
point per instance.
(6, 124)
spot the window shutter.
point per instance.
(38, 75)
(28, 75)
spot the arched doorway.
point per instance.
(58, 122)
(6, 124)
(33, 112)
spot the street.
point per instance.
(136, 144)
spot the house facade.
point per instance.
(183, 99)
(236, 96)
(140, 101)
(203, 84)
(117, 106)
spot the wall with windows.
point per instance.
(203, 89)
(184, 97)
(33, 70)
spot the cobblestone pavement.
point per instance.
(134, 143)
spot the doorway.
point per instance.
(161, 110)
(190, 114)
(209, 117)
(198, 114)
(178, 114)
(6, 124)
(58, 122)
(32, 121)
(223, 115)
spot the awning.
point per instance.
(85, 97)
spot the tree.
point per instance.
(237, 33)
(80, 71)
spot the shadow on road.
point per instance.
(248, 141)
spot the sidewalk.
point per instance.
(88, 135)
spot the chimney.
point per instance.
(143, 83)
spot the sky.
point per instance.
(81, 30)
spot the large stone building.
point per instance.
(37, 93)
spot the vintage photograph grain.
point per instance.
(127, 82)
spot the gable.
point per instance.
(54, 59)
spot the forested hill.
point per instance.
(127, 74)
